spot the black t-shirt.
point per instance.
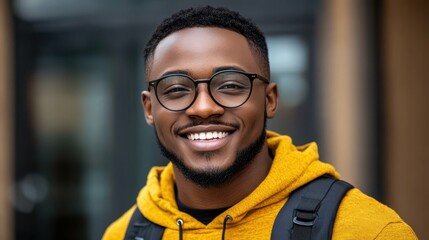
(203, 215)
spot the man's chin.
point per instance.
(204, 176)
(212, 176)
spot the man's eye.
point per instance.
(176, 92)
(176, 89)
(231, 86)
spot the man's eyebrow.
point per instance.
(175, 72)
(218, 69)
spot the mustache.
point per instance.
(211, 121)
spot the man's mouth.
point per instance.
(207, 135)
(207, 138)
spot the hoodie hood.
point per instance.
(359, 216)
(291, 168)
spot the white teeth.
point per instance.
(207, 135)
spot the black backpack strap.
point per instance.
(141, 228)
(310, 211)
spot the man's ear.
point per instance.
(147, 107)
(271, 99)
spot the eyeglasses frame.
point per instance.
(250, 76)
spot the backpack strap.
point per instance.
(310, 211)
(141, 228)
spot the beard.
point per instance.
(216, 177)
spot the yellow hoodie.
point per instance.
(359, 216)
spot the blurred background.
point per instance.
(74, 146)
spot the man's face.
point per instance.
(201, 52)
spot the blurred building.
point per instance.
(75, 148)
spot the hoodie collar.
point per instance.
(292, 167)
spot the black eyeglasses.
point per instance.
(228, 88)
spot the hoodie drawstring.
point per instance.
(179, 223)
(227, 218)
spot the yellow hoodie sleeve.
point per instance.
(362, 217)
(118, 228)
(391, 232)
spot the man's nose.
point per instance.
(204, 106)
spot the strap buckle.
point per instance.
(303, 223)
(304, 218)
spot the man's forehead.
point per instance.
(208, 34)
(198, 47)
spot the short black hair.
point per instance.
(209, 16)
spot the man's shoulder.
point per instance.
(361, 216)
(356, 200)
(117, 229)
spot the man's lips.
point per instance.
(207, 131)
(207, 138)
(207, 135)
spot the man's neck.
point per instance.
(240, 186)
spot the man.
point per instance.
(208, 98)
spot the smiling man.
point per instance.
(208, 99)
